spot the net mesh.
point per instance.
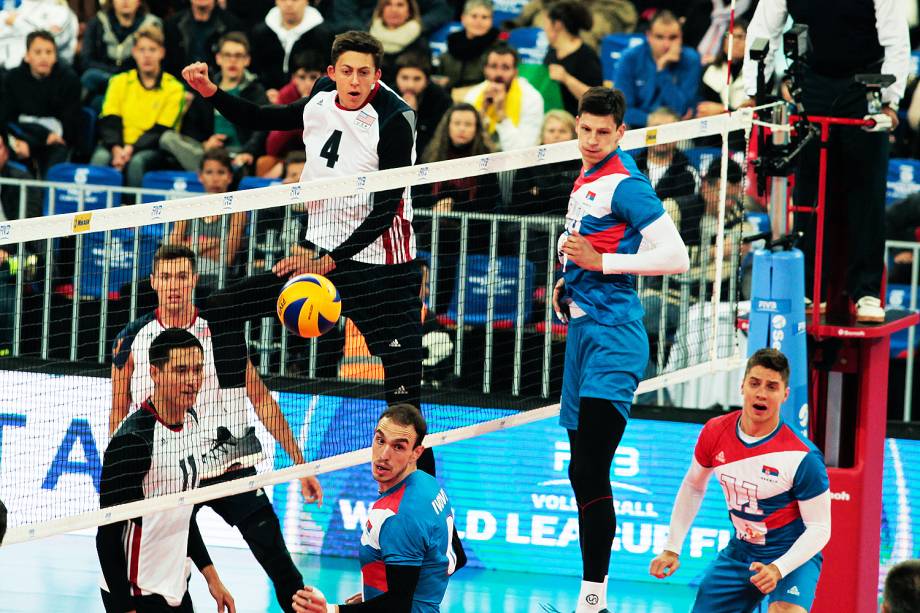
(492, 347)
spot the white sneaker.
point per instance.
(869, 310)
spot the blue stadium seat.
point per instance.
(120, 253)
(612, 48)
(256, 182)
(506, 10)
(531, 44)
(176, 180)
(903, 179)
(437, 42)
(68, 200)
(506, 291)
(898, 297)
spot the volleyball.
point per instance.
(309, 305)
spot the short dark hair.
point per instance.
(171, 251)
(503, 48)
(360, 42)
(603, 101)
(734, 174)
(218, 154)
(771, 359)
(902, 587)
(414, 59)
(40, 34)
(406, 414)
(309, 60)
(664, 16)
(166, 341)
(234, 37)
(573, 16)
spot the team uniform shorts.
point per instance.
(727, 586)
(601, 361)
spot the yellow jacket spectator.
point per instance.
(140, 105)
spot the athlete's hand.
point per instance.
(582, 253)
(561, 309)
(301, 265)
(222, 597)
(309, 600)
(766, 576)
(196, 75)
(311, 490)
(664, 565)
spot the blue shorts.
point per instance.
(727, 586)
(601, 362)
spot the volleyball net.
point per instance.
(75, 277)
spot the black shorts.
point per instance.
(234, 509)
(153, 603)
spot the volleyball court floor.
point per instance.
(61, 574)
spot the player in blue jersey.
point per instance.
(778, 497)
(612, 210)
(406, 554)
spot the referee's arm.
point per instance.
(394, 150)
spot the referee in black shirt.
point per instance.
(848, 37)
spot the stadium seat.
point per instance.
(531, 44)
(256, 182)
(506, 291)
(176, 180)
(121, 257)
(903, 179)
(612, 48)
(506, 10)
(438, 40)
(898, 297)
(68, 200)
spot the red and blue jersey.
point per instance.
(762, 482)
(411, 524)
(611, 203)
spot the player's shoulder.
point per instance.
(720, 426)
(322, 85)
(388, 104)
(138, 426)
(124, 341)
(789, 439)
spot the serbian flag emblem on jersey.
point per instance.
(769, 470)
(591, 195)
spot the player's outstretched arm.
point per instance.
(242, 112)
(401, 584)
(271, 416)
(122, 371)
(686, 506)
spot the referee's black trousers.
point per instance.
(855, 197)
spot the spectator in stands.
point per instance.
(216, 175)
(460, 134)
(711, 45)
(205, 129)
(348, 15)
(40, 105)
(139, 106)
(716, 94)
(9, 264)
(252, 12)
(397, 24)
(193, 33)
(51, 15)
(902, 588)
(464, 61)
(84, 9)
(511, 108)
(545, 189)
(429, 101)
(666, 166)
(659, 72)
(306, 67)
(608, 17)
(107, 45)
(902, 223)
(575, 65)
(289, 28)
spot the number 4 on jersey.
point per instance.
(330, 150)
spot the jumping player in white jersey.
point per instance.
(230, 383)
(778, 497)
(156, 452)
(612, 210)
(353, 123)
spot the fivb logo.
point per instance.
(228, 202)
(6, 230)
(295, 191)
(156, 212)
(484, 163)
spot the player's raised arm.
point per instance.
(686, 506)
(242, 112)
(122, 370)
